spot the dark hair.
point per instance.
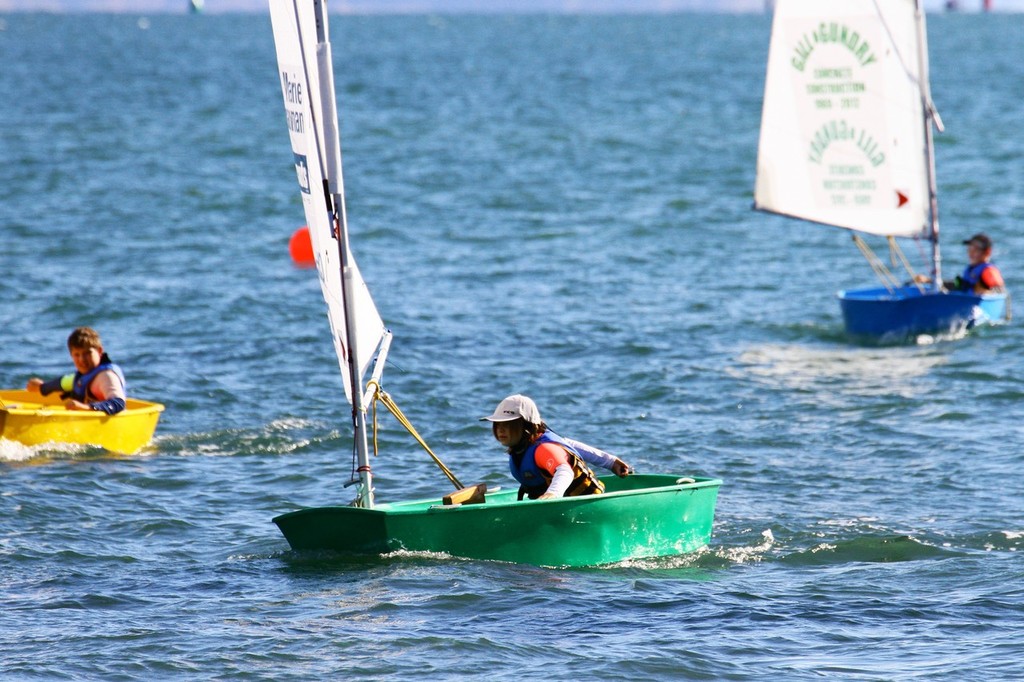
(535, 430)
(531, 431)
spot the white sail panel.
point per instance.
(843, 122)
(316, 154)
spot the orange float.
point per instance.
(300, 246)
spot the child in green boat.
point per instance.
(97, 384)
(547, 465)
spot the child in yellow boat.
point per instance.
(97, 384)
(547, 465)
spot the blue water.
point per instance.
(558, 206)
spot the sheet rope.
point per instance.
(881, 270)
(379, 395)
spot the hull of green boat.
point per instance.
(640, 516)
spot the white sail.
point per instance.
(843, 125)
(306, 77)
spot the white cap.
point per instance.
(514, 407)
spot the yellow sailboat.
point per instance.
(34, 419)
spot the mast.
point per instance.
(931, 117)
(307, 86)
(333, 180)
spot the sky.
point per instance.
(414, 6)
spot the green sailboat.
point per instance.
(639, 516)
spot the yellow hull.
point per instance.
(32, 419)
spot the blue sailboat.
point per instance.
(847, 141)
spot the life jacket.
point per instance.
(971, 280)
(81, 382)
(535, 480)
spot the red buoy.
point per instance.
(300, 246)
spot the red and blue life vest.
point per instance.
(973, 278)
(535, 480)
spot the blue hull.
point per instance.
(907, 312)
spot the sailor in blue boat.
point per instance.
(97, 383)
(545, 464)
(980, 276)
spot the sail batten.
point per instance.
(843, 138)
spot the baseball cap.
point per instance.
(515, 407)
(981, 240)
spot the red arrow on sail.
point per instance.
(901, 199)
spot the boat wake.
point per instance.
(278, 437)
(930, 339)
(877, 547)
(405, 554)
(869, 549)
(709, 561)
(890, 340)
(13, 451)
(863, 372)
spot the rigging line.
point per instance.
(895, 251)
(881, 271)
(933, 113)
(335, 209)
(353, 476)
(895, 47)
(383, 397)
(335, 205)
(312, 112)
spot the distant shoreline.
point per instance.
(386, 7)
